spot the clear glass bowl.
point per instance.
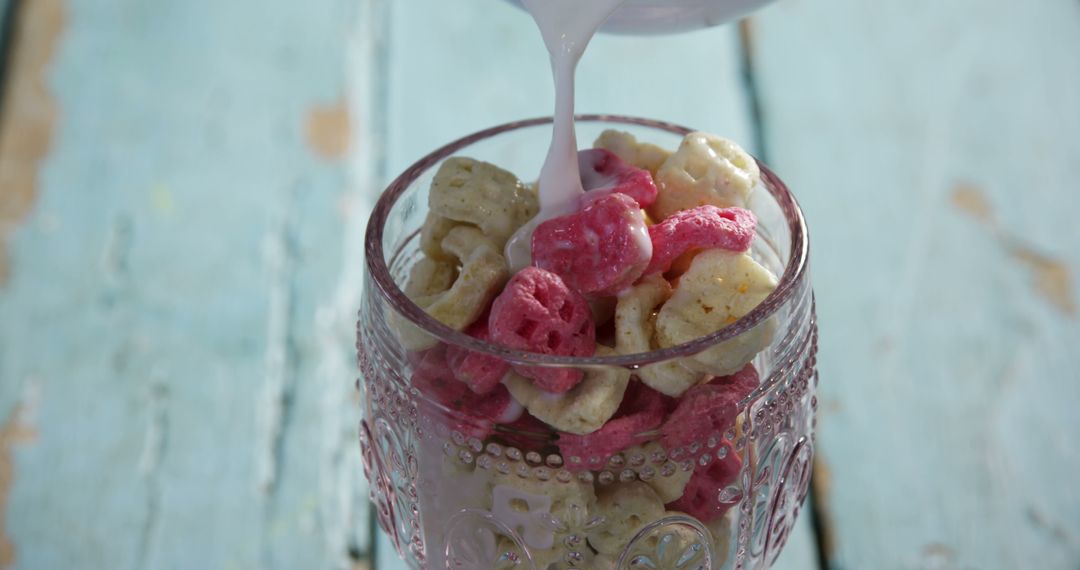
(455, 489)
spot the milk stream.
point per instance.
(567, 26)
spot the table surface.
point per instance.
(183, 190)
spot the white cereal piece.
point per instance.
(634, 314)
(626, 508)
(483, 274)
(583, 409)
(719, 288)
(706, 169)
(453, 297)
(484, 195)
(521, 511)
(536, 509)
(669, 484)
(626, 146)
(433, 232)
(634, 326)
(429, 277)
(412, 337)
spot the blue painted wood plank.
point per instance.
(497, 71)
(932, 145)
(177, 322)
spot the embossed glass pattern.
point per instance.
(454, 489)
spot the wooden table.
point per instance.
(184, 185)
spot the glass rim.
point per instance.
(794, 269)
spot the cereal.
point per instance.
(599, 250)
(466, 412)
(483, 273)
(708, 409)
(427, 279)
(626, 508)
(626, 146)
(484, 195)
(704, 227)
(530, 506)
(719, 288)
(657, 255)
(581, 410)
(668, 482)
(482, 373)
(472, 489)
(603, 170)
(641, 410)
(706, 169)
(634, 324)
(432, 234)
(539, 313)
(702, 498)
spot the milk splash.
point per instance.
(567, 26)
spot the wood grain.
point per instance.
(930, 144)
(182, 296)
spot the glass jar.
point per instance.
(457, 488)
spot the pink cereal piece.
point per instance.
(470, 413)
(701, 497)
(599, 250)
(482, 373)
(537, 312)
(602, 169)
(707, 409)
(704, 227)
(642, 409)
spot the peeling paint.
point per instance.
(937, 555)
(970, 199)
(328, 131)
(1050, 277)
(18, 429)
(28, 114)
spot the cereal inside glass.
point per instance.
(640, 396)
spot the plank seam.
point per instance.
(756, 108)
(750, 86)
(8, 16)
(368, 97)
